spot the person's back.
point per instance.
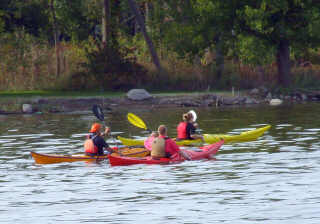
(158, 146)
(182, 130)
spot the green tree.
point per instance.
(77, 19)
(27, 15)
(192, 26)
(140, 21)
(284, 25)
(282, 28)
(217, 19)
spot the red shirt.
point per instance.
(171, 147)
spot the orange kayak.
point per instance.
(41, 158)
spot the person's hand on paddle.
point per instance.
(195, 125)
(107, 131)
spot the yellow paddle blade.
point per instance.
(136, 121)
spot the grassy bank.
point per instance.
(7, 95)
(54, 93)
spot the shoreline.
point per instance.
(38, 104)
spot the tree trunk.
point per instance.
(139, 19)
(106, 22)
(147, 16)
(56, 38)
(283, 63)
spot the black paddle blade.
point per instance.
(98, 112)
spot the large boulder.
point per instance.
(138, 94)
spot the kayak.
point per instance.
(204, 152)
(208, 138)
(40, 158)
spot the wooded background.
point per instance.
(159, 44)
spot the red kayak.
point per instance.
(204, 152)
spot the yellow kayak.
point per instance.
(208, 138)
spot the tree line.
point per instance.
(254, 32)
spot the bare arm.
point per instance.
(185, 155)
(106, 131)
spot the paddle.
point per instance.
(97, 111)
(137, 121)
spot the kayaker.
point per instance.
(186, 130)
(148, 142)
(95, 144)
(163, 146)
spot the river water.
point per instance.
(272, 180)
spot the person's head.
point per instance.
(187, 117)
(154, 134)
(95, 128)
(162, 129)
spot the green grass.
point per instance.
(59, 93)
(40, 93)
(179, 93)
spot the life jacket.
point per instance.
(182, 130)
(158, 148)
(89, 146)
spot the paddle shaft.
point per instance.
(97, 111)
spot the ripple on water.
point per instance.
(271, 180)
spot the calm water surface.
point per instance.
(272, 180)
